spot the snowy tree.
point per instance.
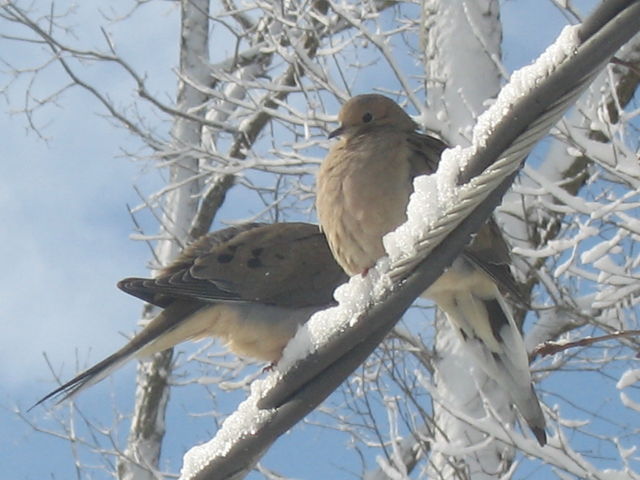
(258, 87)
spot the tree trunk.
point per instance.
(180, 207)
(462, 40)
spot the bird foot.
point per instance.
(270, 367)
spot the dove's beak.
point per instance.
(338, 131)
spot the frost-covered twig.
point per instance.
(551, 348)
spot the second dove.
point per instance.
(363, 189)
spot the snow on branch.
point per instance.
(468, 186)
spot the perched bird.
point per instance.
(363, 189)
(251, 285)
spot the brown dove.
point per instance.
(363, 190)
(251, 286)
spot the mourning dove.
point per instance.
(251, 285)
(363, 190)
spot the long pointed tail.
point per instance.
(142, 343)
(90, 376)
(489, 332)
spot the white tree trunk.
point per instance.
(180, 206)
(461, 47)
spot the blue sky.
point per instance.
(64, 208)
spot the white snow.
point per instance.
(245, 421)
(354, 298)
(628, 378)
(598, 251)
(555, 247)
(628, 402)
(524, 80)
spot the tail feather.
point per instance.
(142, 343)
(90, 376)
(489, 331)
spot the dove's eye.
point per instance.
(367, 117)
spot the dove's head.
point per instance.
(371, 111)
